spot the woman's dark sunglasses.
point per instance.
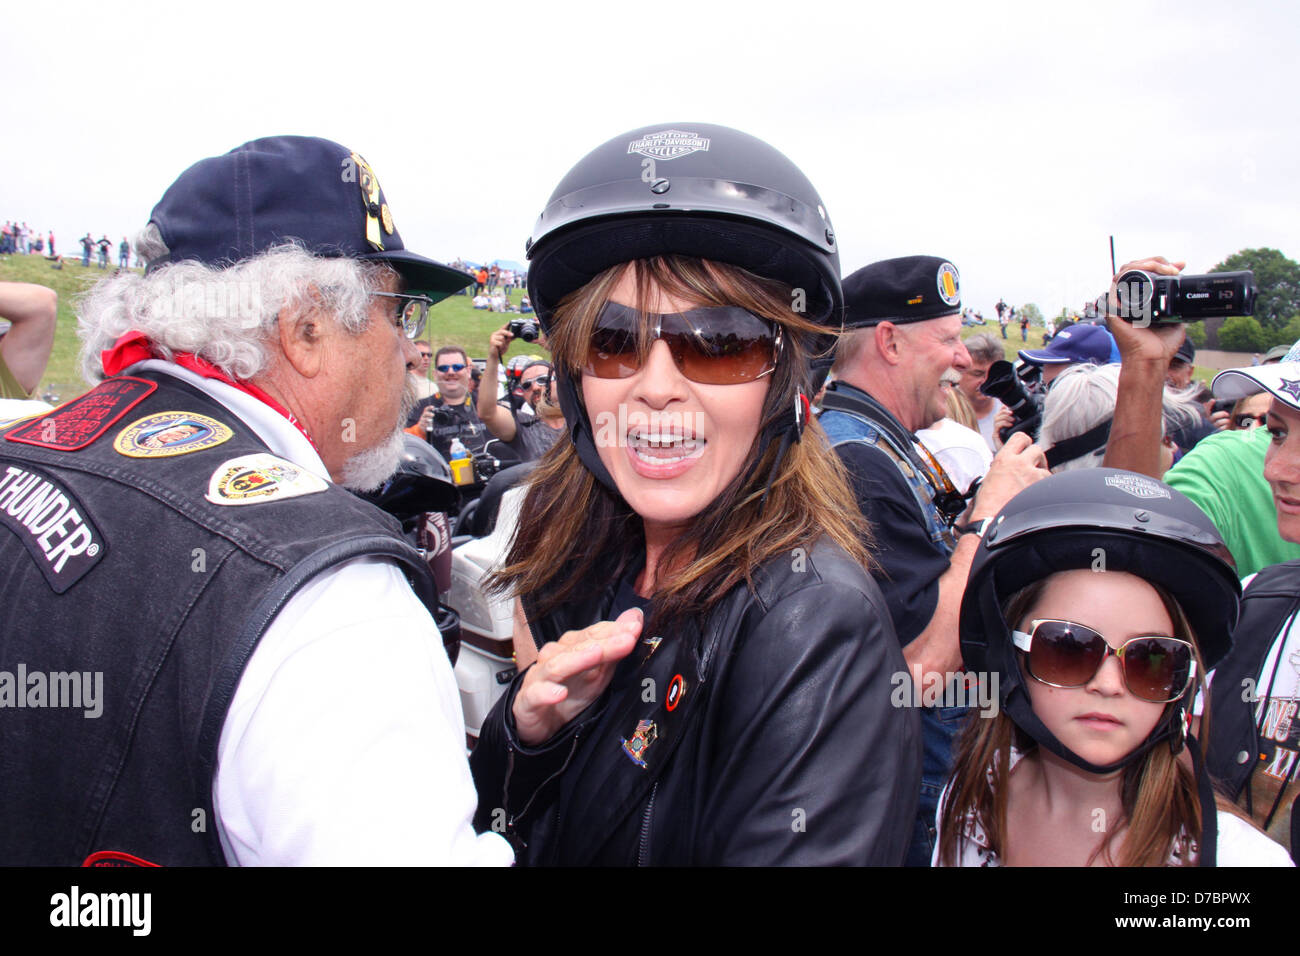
(710, 346)
(1067, 654)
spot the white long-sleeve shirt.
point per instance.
(344, 742)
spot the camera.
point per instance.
(1145, 298)
(443, 416)
(525, 329)
(1004, 384)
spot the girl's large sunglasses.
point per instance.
(710, 346)
(1066, 654)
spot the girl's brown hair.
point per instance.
(1161, 806)
(573, 531)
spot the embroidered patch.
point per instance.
(78, 423)
(669, 144)
(1290, 386)
(170, 433)
(949, 284)
(646, 733)
(251, 479)
(51, 523)
(1138, 486)
(115, 858)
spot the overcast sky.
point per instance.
(1010, 138)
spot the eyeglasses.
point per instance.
(1066, 654)
(541, 381)
(710, 346)
(1250, 421)
(426, 355)
(412, 311)
(453, 367)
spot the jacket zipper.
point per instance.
(643, 851)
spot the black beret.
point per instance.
(907, 289)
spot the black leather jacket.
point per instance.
(761, 734)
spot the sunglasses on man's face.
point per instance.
(710, 346)
(453, 367)
(1067, 654)
(541, 381)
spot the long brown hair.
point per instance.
(573, 531)
(1162, 809)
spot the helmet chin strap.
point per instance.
(1174, 728)
(788, 426)
(580, 429)
(1171, 728)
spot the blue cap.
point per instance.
(324, 196)
(1076, 343)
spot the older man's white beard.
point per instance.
(367, 470)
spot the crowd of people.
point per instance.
(791, 585)
(20, 239)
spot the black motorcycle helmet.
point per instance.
(421, 483)
(1072, 521)
(689, 189)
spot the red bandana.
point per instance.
(134, 347)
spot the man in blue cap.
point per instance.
(274, 689)
(1076, 344)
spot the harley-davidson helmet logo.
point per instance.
(670, 144)
(1138, 486)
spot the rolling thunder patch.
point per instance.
(78, 423)
(51, 523)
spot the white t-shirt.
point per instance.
(1239, 843)
(344, 743)
(1277, 713)
(986, 424)
(963, 453)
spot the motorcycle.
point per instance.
(462, 531)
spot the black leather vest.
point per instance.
(1234, 749)
(123, 572)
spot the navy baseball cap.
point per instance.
(1074, 344)
(324, 196)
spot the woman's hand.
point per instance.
(571, 673)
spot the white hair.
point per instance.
(368, 469)
(1084, 396)
(225, 315)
